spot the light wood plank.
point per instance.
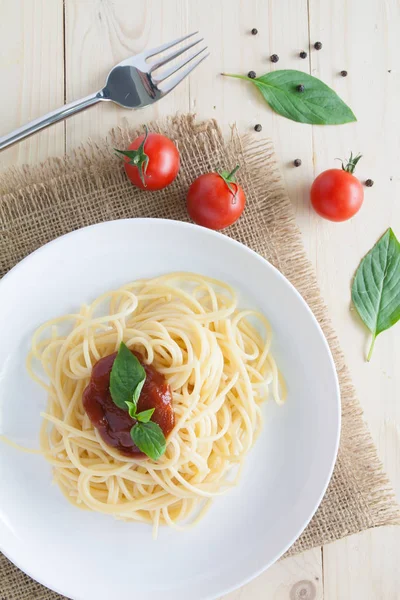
(283, 30)
(100, 34)
(233, 49)
(362, 37)
(32, 75)
(297, 578)
(361, 567)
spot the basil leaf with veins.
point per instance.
(149, 438)
(376, 286)
(127, 378)
(316, 104)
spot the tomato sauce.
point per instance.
(113, 423)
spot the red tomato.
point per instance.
(337, 194)
(215, 201)
(151, 161)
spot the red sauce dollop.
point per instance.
(115, 424)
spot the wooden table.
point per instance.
(54, 52)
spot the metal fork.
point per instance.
(131, 84)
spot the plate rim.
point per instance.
(258, 257)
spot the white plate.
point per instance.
(87, 556)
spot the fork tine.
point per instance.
(153, 51)
(177, 67)
(176, 80)
(173, 55)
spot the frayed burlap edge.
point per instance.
(359, 495)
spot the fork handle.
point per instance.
(52, 117)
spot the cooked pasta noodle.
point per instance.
(218, 365)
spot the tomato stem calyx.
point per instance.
(138, 158)
(350, 165)
(229, 178)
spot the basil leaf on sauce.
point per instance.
(127, 378)
(317, 104)
(149, 438)
(138, 388)
(131, 409)
(145, 415)
(376, 286)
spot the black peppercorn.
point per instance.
(258, 127)
(251, 74)
(274, 58)
(318, 45)
(254, 31)
(303, 54)
(297, 162)
(369, 183)
(300, 88)
(343, 73)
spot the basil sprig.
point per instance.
(376, 286)
(143, 417)
(301, 97)
(149, 438)
(127, 377)
(126, 382)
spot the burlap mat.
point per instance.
(41, 203)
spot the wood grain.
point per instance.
(363, 566)
(32, 75)
(362, 37)
(297, 578)
(100, 34)
(234, 50)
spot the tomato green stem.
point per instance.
(371, 348)
(351, 163)
(229, 178)
(138, 158)
(232, 173)
(146, 134)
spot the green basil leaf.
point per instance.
(318, 104)
(376, 286)
(138, 389)
(126, 375)
(145, 415)
(149, 438)
(131, 409)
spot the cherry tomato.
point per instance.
(337, 194)
(151, 161)
(215, 200)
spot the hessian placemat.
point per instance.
(40, 203)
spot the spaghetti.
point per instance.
(218, 366)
